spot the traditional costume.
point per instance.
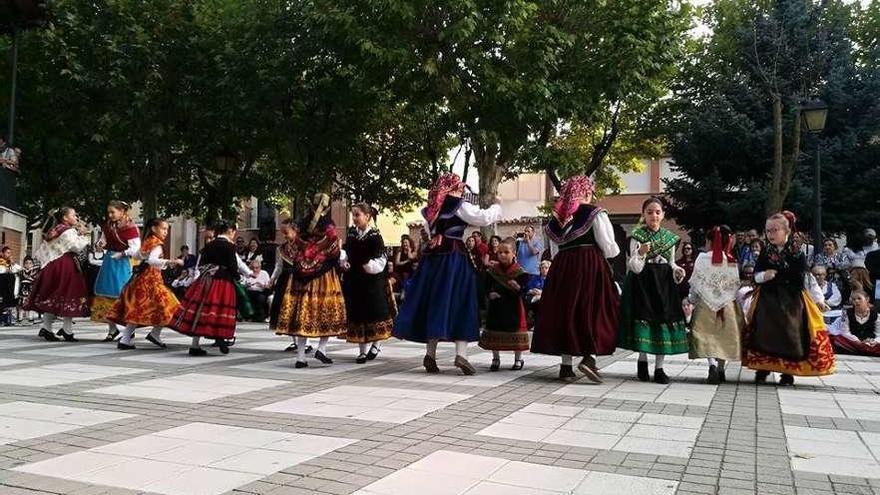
(441, 300)
(856, 334)
(786, 333)
(369, 302)
(506, 328)
(122, 243)
(60, 287)
(308, 298)
(210, 305)
(579, 306)
(651, 319)
(717, 320)
(145, 301)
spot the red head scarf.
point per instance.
(792, 220)
(575, 189)
(719, 251)
(446, 184)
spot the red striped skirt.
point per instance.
(208, 309)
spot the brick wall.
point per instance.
(13, 239)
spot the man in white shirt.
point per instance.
(257, 286)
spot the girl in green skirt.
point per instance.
(651, 319)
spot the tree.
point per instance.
(724, 124)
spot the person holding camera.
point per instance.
(528, 252)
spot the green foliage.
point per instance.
(720, 123)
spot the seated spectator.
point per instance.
(533, 291)
(189, 260)
(8, 280)
(832, 294)
(860, 279)
(750, 256)
(869, 243)
(257, 287)
(252, 252)
(832, 258)
(857, 331)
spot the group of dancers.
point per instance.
(327, 287)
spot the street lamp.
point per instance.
(813, 113)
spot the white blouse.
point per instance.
(68, 242)
(841, 326)
(603, 232)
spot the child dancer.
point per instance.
(26, 278)
(717, 319)
(368, 306)
(441, 300)
(209, 307)
(122, 241)
(858, 330)
(506, 328)
(786, 332)
(145, 300)
(60, 288)
(579, 307)
(651, 320)
(308, 296)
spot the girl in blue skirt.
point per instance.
(442, 302)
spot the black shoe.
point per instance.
(301, 364)
(68, 337)
(566, 374)
(361, 359)
(320, 356)
(660, 376)
(111, 336)
(292, 348)
(430, 365)
(518, 364)
(155, 341)
(124, 347)
(49, 336)
(193, 351)
(714, 378)
(223, 345)
(496, 365)
(373, 352)
(786, 379)
(761, 376)
(309, 349)
(721, 375)
(642, 371)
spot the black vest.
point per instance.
(864, 330)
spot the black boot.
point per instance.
(49, 336)
(68, 337)
(714, 377)
(223, 346)
(761, 376)
(642, 371)
(660, 376)
(566, 374)
(786, 379)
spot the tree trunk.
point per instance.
(149, 202)
(775, 195)
(486, 160)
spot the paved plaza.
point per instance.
(83, 418)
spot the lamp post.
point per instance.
(813, 113)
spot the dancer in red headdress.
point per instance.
(717, 319)
(441, 302)
(579, 306)
(786, 331)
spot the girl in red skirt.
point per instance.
(579, 303)
(146, 301)
(60, 288)
(210, 305)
